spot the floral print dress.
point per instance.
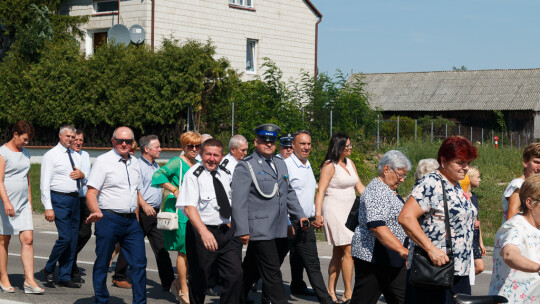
(516, 286)
(428, 193)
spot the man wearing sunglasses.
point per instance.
(113, 190)
(60, 183)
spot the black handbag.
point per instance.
(423, 273)
(352, 219)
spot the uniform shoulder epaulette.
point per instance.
(247, 158)
(225, 163)
(198, 171)
(222, 167)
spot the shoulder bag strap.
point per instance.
(446, 220)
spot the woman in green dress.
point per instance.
(170, 177)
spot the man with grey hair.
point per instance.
(204, 137)
(113, 191)
(238, 148)
(60, 183)
(148, 208)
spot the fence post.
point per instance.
(459, 129)
(398, 130)
(432, 131)
(445, 130)
(187, 118)
(492, 136)
(511, 140)
(519, 141)
(415, 128)
(330, 123)
(378, 123)
(482, 141)
(232, 119)
(471, 134)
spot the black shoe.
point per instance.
(302, 292)
(78, 279)
(69, 284)
(49, 277)
(211, 292)
(265, 300)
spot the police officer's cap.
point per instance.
(267, 132)
(286, 141)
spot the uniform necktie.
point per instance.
(269, 161)
(73, 166)
(222, 199)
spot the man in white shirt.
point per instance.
(85, 230)
(304, 243)
(60, 183)
(113, 191)
(238, 148)
(206, 199)
(204, 137)
(285, 147)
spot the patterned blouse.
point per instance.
(514, 185)
(379, 206)
(516, 286)
(428, 193)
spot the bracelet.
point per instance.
(175, 188)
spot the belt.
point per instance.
(74, 194)
(218, 227)
(126, 215)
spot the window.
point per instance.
(99, 39)
(247, 3)
(105, 6)
(251, 55)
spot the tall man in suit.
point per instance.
(61, 180)
(261, 200)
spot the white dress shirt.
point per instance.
(86, 167)
(55, 170)
(303, 182)
(231, 164)
(116, 181)
(199, 192)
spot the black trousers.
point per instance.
(304, 254)
(416, 295)
(263, 260)
(372, 280)
(85, 232)
(225, 258)
(155, 237)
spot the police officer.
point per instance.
(262, 197)
(205, 198)
(285, 146)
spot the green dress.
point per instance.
(175, 240)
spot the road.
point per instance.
(45, 236)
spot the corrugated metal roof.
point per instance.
(454, 90)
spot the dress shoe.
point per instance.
(302, 292)
(31, 289)
(211, 292)
(9, 289)
(78, 279)
(265, 300)
(121, 284)
(69, 284)
(49, 277)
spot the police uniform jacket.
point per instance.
(252, 213)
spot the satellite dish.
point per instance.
(137, 34)
(118, 33)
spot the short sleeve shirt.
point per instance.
(514, 185)
(379, 206)
(428, 193)
(516, 286)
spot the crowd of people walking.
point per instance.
(205, 206)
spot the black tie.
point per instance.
(73, 166)
(223, 201)
(269, 161)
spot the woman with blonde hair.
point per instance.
(170, 177)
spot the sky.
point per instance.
(387, 36)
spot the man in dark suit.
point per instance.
(261, 200)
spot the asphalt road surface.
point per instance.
(45, 236)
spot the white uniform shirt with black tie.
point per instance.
(199, 193)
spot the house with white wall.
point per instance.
(243, 31)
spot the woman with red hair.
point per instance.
(427, 205)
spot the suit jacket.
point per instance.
(262, 218)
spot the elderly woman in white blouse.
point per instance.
(516, 256)
(379, 245)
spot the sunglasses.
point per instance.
(121, 141)
(191, 147)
